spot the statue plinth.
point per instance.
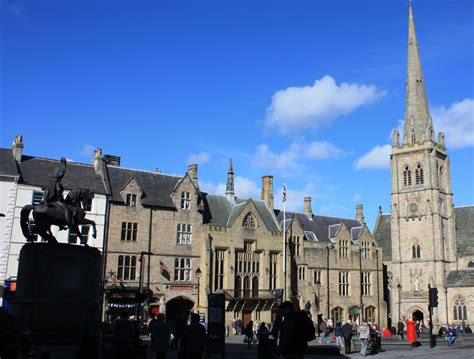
(55, 283)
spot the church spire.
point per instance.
(418, 123)
(229, 192)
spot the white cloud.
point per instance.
(244, 188)
(357, 197)
(456, 122)
(322, 150)
(87, 150)
(199, 158)
(378, 157)
(284, 161)
(289, 160)
(298, 108)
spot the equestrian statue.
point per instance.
(69, 212)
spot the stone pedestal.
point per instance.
(55, 283)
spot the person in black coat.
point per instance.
(347, 334)
(401, 328)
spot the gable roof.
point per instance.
(460, 278)
(383, 236)
(7, 163)
(320, 225)
(220, 212)
(157, 187)
(37, 171)
(465, 229)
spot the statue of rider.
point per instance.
(54, 193)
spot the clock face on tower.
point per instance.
(413, 207)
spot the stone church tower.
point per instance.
(423, 233)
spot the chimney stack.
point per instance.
(267, 191)
(360, 213)
(112, 160)
(193, 172)
(17, 148)
(307, 207)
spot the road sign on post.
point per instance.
(216, 324)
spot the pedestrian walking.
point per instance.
(364, 336)
(263, 334)
(194, 339)
(160, 337)
(234, 326)
(324, 329)
(401, 328)
(338, 333)
(89, 345)
(151, 323)
(249, 333)
(123, 336)
(295, 332)
(239, 326)
(347, 334)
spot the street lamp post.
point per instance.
(198, 276)
(399, 289)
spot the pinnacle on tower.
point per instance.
(229, 192)
(418, 123)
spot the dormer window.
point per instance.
(249, 222)
(185, 200)
(131, 200)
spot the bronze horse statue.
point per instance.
(47, 214)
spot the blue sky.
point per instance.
(308, 91)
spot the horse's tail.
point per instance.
(25, 222)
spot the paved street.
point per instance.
(391, 348)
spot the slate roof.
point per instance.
(383, 237)
(217, 210)
(464, 232)
(220, 212)
(7, 163)
(156, 187)
(460, 278)
(465, 229)
(36, 171)
(318, 224)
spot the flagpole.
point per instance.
(284, 238)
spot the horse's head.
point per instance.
(86, 199)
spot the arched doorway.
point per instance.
(178, 307)
(417, 315)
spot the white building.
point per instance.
(22, 180)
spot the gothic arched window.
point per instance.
(413, 136)
(407, 177)
(416, 251)
(460, 309)
(255, 287)
(419, 177)
(249, 222)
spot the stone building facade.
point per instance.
(426, 240)
(163, 231)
